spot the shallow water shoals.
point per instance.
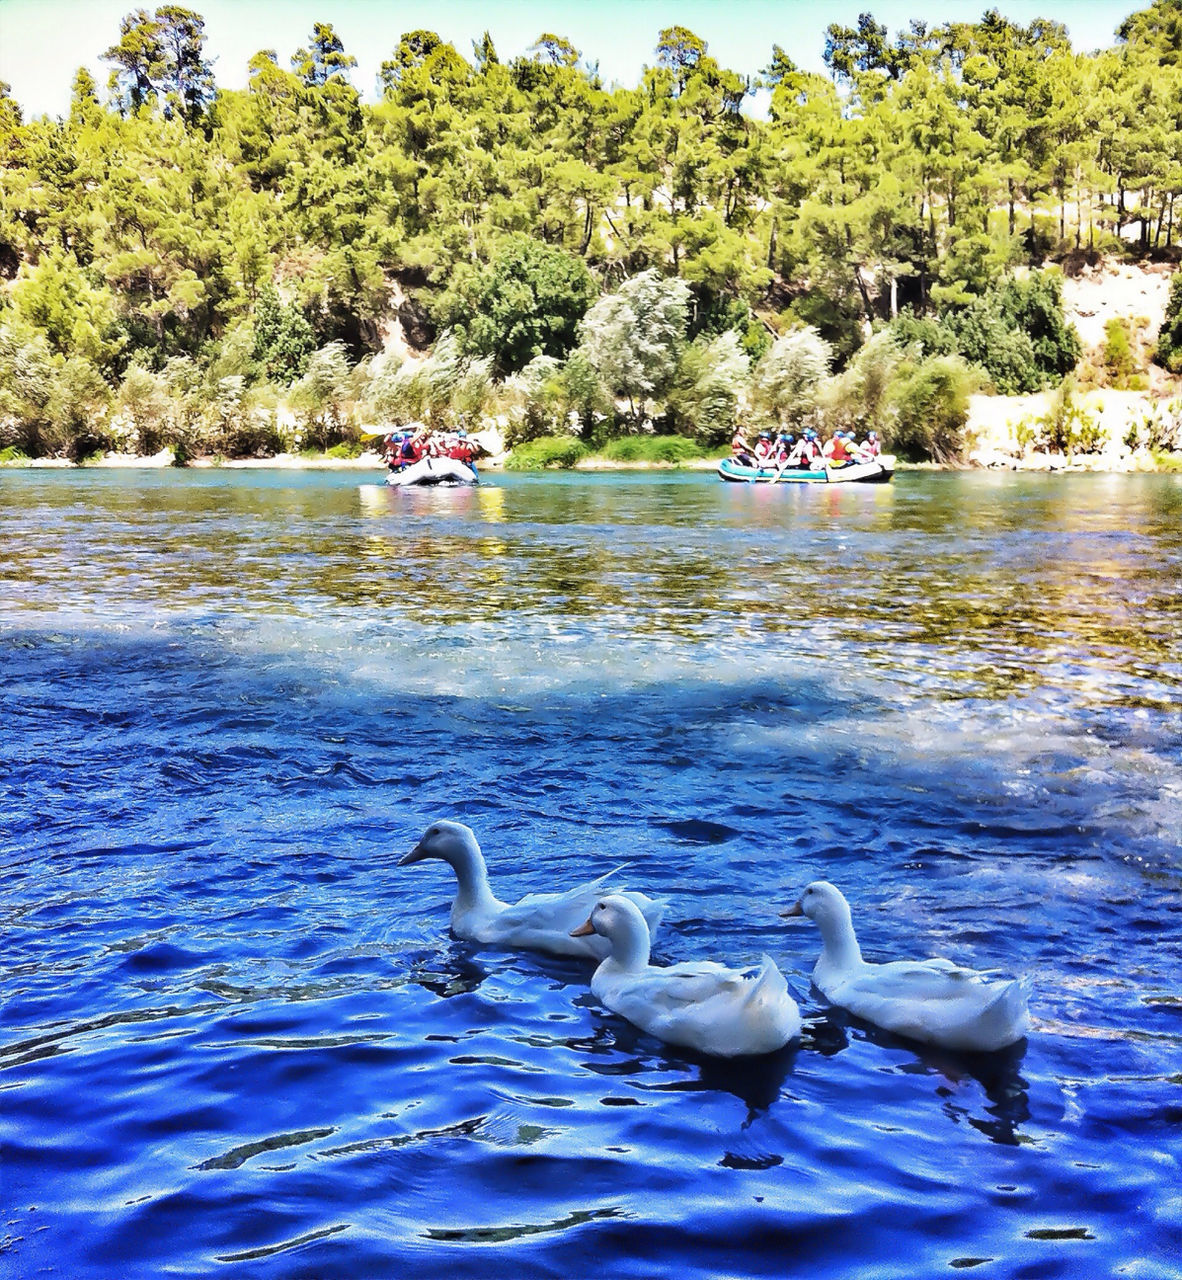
(237, 1039)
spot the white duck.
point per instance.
(934, 1001)
(539, 922)
(697, 1004)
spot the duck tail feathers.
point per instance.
(1008, 1014)
(767, 981)
(607, 875)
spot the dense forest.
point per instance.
(243, 271)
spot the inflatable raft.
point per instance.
(877, 472)
(444, 471)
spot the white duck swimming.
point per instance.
(697, 1004)
(934, 1001)
(539, 922)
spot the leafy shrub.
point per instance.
(548, 452)
(710, 379)
(1169, 339)
(1159, 430)
(1018, 334)
(146, 404)
(1120, 361)
(283, 338)
(1034, 306)
(26, 386)
(785, 384)
(632, 338)
(535, 400)
(443, 390)
(321, 397)
(78, 405)
(234, 427)
(675, 449)
(12, 456)
(858, 399)
(1006, 355)
(1066, 427)
(930, 335)
(929, 403)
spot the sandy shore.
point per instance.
(991, 450)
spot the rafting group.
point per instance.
(784, 451)
(404, 448)
(785, 458)
(421, 456)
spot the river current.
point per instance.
(238, 1040)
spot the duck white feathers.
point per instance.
(933, 1001)
(539, 922)
(697, 1004)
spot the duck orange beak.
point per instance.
(583, 930)
(797, 910)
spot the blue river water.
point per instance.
(238, 1040)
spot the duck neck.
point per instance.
(630, 948)
(472, 877)
(839, 948)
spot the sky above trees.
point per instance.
(43, 42)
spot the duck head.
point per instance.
(823, 903)
(620, 921)
(452, 842)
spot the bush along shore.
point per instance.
(193, 273)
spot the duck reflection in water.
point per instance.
(1007, 1102)
(618, 1048)
(450, 973)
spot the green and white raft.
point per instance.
(877, 472)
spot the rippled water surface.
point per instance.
(238, 1040)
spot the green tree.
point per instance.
(324, 59)
(159, 59)
(76, 316)
(283, 338)
(632, 338)
(527, 303)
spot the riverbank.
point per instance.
(993, 433)
(1129, 429)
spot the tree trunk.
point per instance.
(864, 292)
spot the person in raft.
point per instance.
(782, 451)
(807, 453)
(393, 451)
(462, 449)
(764, 449)
(839, 449)
(741, 450)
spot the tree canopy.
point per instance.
(244, 230)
